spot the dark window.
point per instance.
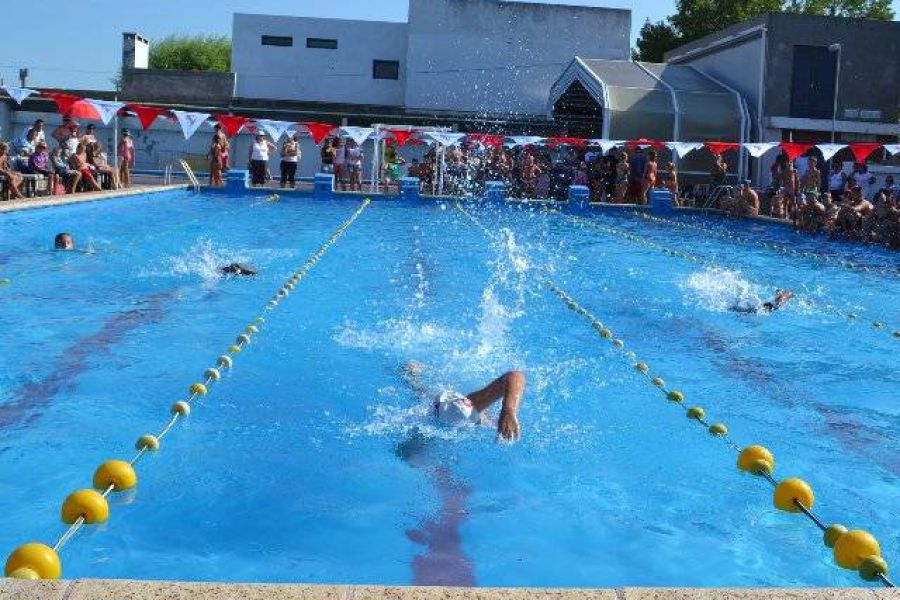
(812, 82)
(277, 40)
(321, 43)
(386, 69)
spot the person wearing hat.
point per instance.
(39, 164)
(126, 158)
(259, 158)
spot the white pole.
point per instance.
(115, 147)
(837, 87)
(373, 184)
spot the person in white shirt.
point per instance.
(837, 183)
(340, 162)
(290, 160)
(354, 165)
(259, 158)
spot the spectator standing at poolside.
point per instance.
(13, 178)
(530, 172)
(672, 182)
(290, 160)
(812, 179)
(636, 167)
(259, 158)
(126, 158)
(718, 173)
(837, 182)
(326, 157)
(623, 169)
(649, 179)
(216, 156)
(340, 162)
(354, 165)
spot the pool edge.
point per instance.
(98, 589)
(69, 199)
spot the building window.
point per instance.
(812, 82)
(277, 40)
(386, 69)
(321, 43)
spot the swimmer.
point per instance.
(238, 269)
(456, 410)
(782, 297)
(64, 241)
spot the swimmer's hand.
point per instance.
(508, 426)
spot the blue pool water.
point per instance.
(313, 462)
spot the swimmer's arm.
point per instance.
(510, 387)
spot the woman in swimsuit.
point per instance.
(649, 181)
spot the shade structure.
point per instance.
(630, 100)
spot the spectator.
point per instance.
(649, 181)
(61, 133)
(636, 167)
(672, 182)
(78, 162)
(216, 155)
(69, 177)
(12, 178)
(340, 162)
(39, 164)
(326, 157)
(26, 144)
(97, 157)
(623, 175)
(812, 179)
(259, 158)
(126, 158)
(290, 160)
(38, 128)
(89, 136)
(837, 182)
(719, 172)
(354, 165)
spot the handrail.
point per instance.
(190, 174)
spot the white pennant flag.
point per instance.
(107, 109)
(682, 149)
(275, 129)
(892, 148)
(757, 150)
(829, 150)
(446, 138)
(358, 134)
(607, 145)
(18, 94)
(190, 121)
(525, 140)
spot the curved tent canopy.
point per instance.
(625, 100)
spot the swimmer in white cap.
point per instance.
(457, 410)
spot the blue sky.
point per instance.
(80, 45)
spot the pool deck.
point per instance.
(89, 589)
(45, 201)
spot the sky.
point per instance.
(79, 47)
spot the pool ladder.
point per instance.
(195, 184)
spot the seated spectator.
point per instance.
(90, 135)
(61, 133)
(813, 214)
(12, 177)
(78, 162)
(96, 157)
(39, 164)
(70, 178)
(26, 143)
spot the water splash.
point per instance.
(721, 290)
(204, 259)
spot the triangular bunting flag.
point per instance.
(275, 129)
(607, 145)
(756, 150)
(566, 141)
(18, 94)
(64, 102)
(401, 135)
(358, 134)
(319, 131)
(145, 114)
(486, 139)
(829, 150)
(446, 138)
(892, 148)
(190, 121)
(862, 150)
(682, 149)
(721, 147)
(525, 140)
(795, 150)
(107, 109)
(231, 124)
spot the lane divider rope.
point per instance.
(878, 324)
(88, 506)
(857, 549)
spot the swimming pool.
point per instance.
(313, 462)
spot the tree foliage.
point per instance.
(694, 19)
(192, 53)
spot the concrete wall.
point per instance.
(870, 64)
(502, 57)
(307, 74)
(174, 87)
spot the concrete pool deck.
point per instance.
(46, 201)
(120, 589)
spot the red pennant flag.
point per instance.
(568, 141)
(721, 147)
(401, 135)
(862, 150)
(231, 124)
(486, 139)
(795, 150)
(319, 131)
(145, 114)
(64, 102)
(643, 142)
(84, 110)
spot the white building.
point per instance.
(482, 57)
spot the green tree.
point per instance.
(871, 9)
(655, 40)
(192, 53)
